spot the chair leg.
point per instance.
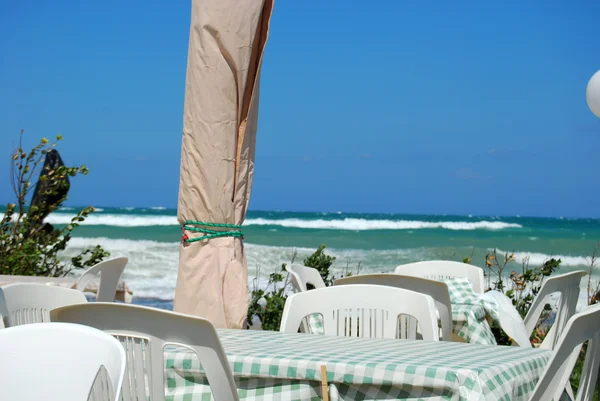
(568, 394)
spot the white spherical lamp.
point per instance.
(592, 94)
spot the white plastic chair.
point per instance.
(435, 289)
(303, 275)
(363, 311)
(568, 286)
(31, 303)
(144, 332)
(59, 362)
(442, 269)
(110, 273)
(580, 328)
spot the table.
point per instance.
(284, 366)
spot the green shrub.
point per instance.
(322, 262)
(268, 304)
(523, 287)
(28, 247)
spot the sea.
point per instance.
(361, 242)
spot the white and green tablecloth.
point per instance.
(469, 322)
(469, 314)
(282, 366)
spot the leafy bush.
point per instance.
(523, 287)
(322, 262)
(267, 305)
(29, 247)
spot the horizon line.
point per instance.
(337, 212)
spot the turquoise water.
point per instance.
(379, 242)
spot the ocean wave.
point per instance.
(350, 224)
(152, 268)
(354, 224)
(68, 209)
(536, 258)
(116, 220)
(158, 208)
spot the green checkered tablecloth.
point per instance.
(469, 314)
(282, 366)
(461, 291)
(470, 323)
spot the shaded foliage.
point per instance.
(28, 246)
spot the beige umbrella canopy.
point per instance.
(227, 41)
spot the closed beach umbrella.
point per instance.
(227, 41)
(46, 197)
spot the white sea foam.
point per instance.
(152, 268)
(363, 224)
(536, 259)
(351, 224)
(66, 208)
(158, 208)
(98, 209)
(116, 220)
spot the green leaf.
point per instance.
(27, 247)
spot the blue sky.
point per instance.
(394, 106)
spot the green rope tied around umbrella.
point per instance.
(207, 229)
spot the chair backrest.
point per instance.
(580, 328)
(110, 273)
(363, 311)
(32, 303)
(144, 332)
(59, 362)
(568, 287)
(442, 269)
(303, 275)
(435, 289)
